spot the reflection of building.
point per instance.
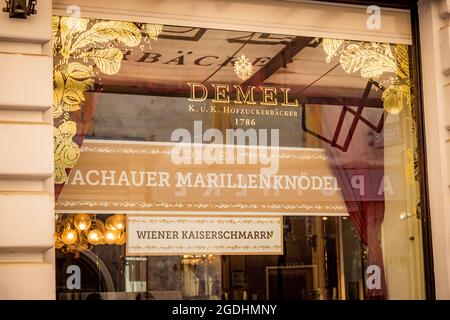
(28, 265)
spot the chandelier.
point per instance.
(78, 233)
(196, 259)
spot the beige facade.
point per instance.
(435, 50)
(26, 129)
(26, 162)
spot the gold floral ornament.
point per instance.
(86, 48)
(67, 151)
(376, 61)
(397, 96)
(331, 47)
(152, 30)
(243, 68)
(70, 83)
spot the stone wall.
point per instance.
(26, 161)
(435, 51)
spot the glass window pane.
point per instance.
(339, 120)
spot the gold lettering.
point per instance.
(247, 97)
(221, 93)
(269, 96)
(286, 102)
(199, 92)
(193, 87)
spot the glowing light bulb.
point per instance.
(118, 221)
(69, 236)
(95, 237)
(82, 222)
(58, 242)
(108, 223)
(122, 239)
(110, 236)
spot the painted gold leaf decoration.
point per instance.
(55, 26)
(243, 68)
(387, 50)
(153, 30)
(375, 60)
(372, 59)
(72, 100)
(74, 24)
(352, 59)
(70, 83)
(69, 27)
(79, 71)
(84, 47)
(102, 32)
(67, 151)
(375, 64)
(80, 77)
(403, 59)
(107, 60)
(55, 29)
(331, 46)
(371, 63)
(395, 98)
(409, 167)
(58, 91)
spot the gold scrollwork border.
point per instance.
(140, 205)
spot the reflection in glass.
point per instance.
(129, 82)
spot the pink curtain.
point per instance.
(359, 171)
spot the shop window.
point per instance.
(298, 177)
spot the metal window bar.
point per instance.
(357, 117)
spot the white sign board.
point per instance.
(185, 235)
